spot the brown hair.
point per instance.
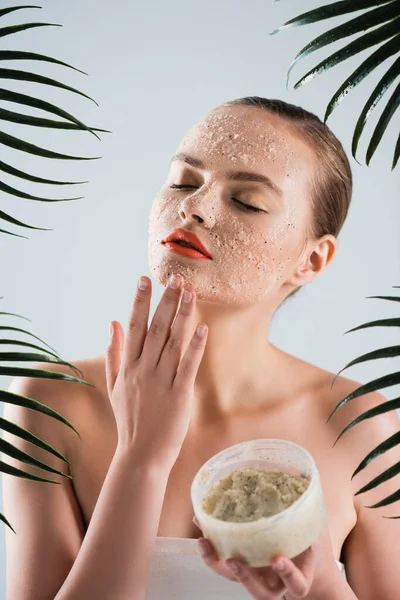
(332, 184)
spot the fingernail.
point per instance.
(201, 329)
(110, 327)
(173, 281)
(234, 567)
(279, 565)
(204, 548)
(187, 296)
(143, 284)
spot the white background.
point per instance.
(156, 68)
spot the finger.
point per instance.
(160, 326)
(255, 581)
(179, 337)
(137, 323)
(114, 355)
(212, 560)
(195, 521)
(298, 581)
(190, 362)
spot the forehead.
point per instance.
(247, 137)
(243, 138)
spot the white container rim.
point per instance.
(272, 519)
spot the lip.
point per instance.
(184, 251)
(189, 237)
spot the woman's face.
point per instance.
(253, 253)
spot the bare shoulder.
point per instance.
(70, 399)
(363, 437)
(48, 518)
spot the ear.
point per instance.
(316, 257)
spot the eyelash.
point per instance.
(245, 207)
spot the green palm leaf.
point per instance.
(388, 444)
(68, 122)
(4, 31)
(2, 518)
(14, 192)
(360, 23)
(388, 78)
(12, 171)
(23, 99)
(381, 409)
(389, 500)
(391, 442)
(17, 75)
(379, 22)
(336, 9)
(372, 62)
(23, 372)
(380, 323)
(384, 120)
(19, 400)
(13, 314)
(396, 153)
(9, 342)
(359, 45)
(14, 234)
(10, 328)
(18, 144)
(384, 407)
(372, 386)
(5, 217)
(385, 476)
(10, 9)
(18, 431)
(33, 357)
(10, 470)
(21, 55)
(389, 352)
(10, 450)
(14, 117)
(390, 298)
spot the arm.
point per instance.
(336, 588)
(116, 552)
(46, 517)
(58, 560)
(371, 551)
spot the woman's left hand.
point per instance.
(300, 577)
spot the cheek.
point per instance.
(161, 206)
(267, 244)
(163, 215)
(250, 258)
(263, 258)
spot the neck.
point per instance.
(240, 368)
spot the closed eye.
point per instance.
(243, 206)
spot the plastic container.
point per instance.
(289, 532)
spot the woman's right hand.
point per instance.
(150, 375)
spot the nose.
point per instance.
(198, 207)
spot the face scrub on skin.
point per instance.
(250, 494)
(252, 252)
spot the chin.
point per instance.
(161, 271)
(158, 275)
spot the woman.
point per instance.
(262, 189)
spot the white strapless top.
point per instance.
(177, 572)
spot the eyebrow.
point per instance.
(231, 175)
